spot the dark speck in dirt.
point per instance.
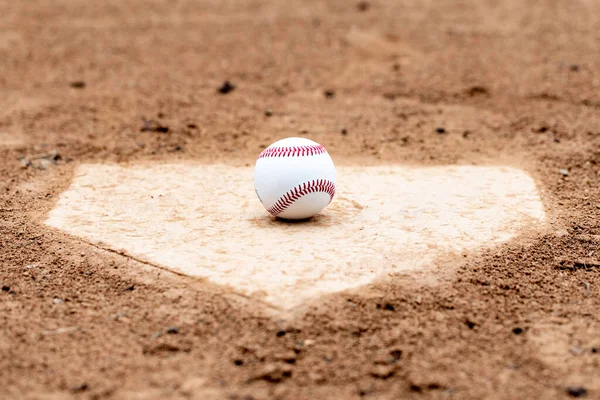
(363, 6)
(80, 388)
(153, 126)
(77, 84)
(576, 391)
(226, 87)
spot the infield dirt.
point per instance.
(441, 84)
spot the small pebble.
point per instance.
(564, 172)
(576, 391)
(172, 330)
(440, 131)
(344, 131)
(5, 288)
(329, 94)
(78, 84)
(517, 331)
(56, 300)
(226, 87)
(80, 388)
(268, 113)
(561, 233)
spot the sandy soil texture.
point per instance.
(442, 84)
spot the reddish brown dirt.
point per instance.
(514, 82)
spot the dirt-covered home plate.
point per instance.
(206, 221)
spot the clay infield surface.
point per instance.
(460, 257)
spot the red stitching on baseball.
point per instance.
(294, 151)
(315, 186)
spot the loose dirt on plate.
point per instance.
(459, 259)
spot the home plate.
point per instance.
(206, 221)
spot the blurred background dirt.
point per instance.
(376, 82)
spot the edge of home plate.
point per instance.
(205, 221)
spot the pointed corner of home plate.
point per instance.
(205, 221)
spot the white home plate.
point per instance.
(206, 221)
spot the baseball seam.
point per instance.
(314, 186)
(294, 151)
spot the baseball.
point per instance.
(294, 178)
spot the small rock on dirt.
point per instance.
(561, 233)
(5, 288)
(172, 330)
(77, 84)
(226, 87)
(288, 357)
(268, 113)
(329, 93)
(440, 130)
(576, 391)
(396, 355)
(153, 126)
(563, 172)
(41, 161)
(80, 388)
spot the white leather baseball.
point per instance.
(294, 178)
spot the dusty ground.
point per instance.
(415, 82)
